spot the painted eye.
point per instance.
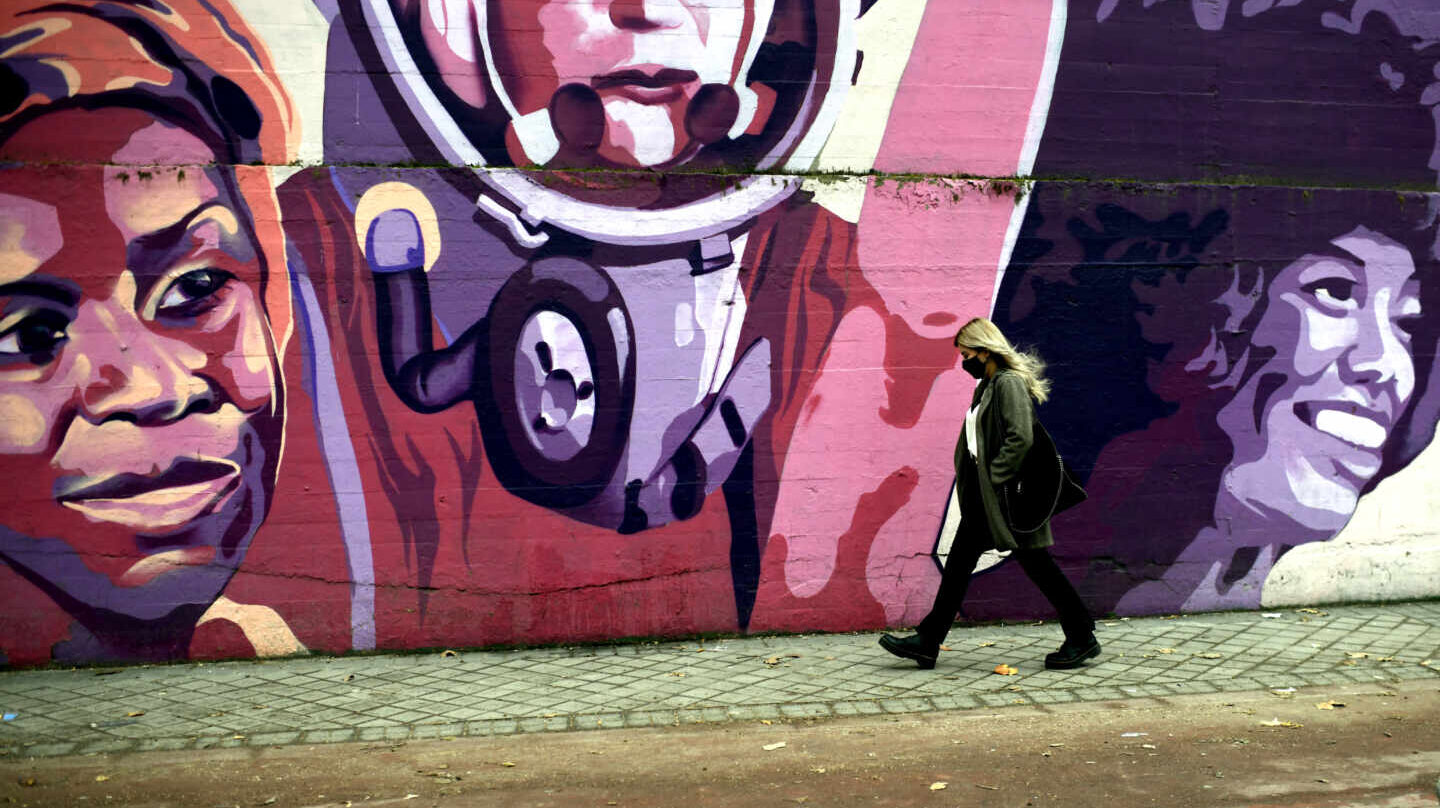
(192, 293)
(1335, 293)
(37, 337)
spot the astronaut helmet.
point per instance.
(732, 88)
(626, 149)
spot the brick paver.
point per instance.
(393, 698)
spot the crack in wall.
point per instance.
(1000, 184)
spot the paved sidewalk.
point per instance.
(394, 698)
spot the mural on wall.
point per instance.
(584, 320)
(146, 309)
(594, 322)
(1243, 362)
(580, 381)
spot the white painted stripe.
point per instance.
(1034, 131)
(342, 465)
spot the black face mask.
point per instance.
(974, 367)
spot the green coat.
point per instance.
(1005, 420)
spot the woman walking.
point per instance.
(998, 432)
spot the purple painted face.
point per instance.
(140, 408)
(1310, 426)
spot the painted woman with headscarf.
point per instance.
(144, 313)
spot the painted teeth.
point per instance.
(1351, 428)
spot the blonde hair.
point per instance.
(982, 335)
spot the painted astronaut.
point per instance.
(619, 329)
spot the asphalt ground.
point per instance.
(454, 694)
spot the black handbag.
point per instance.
(1043, 487)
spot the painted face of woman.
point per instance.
(645, 59)
(140, 407)
(1310, 426)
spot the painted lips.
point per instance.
(660, 87)
(1352, 424)
(152, 504)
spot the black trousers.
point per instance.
(972, 539)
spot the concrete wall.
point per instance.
(436, 323)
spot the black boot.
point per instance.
(913, 647)
(1073, 654)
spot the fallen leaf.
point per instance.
(677, 674)
(1210, 655)
(771, 747)
(1348, 662)
(1057, 746)
(1006, 670)
(134, 713)
(767, 722)
(1427, 663)
(349, 677)
(985, 644)
(1328, 705)
(448, 653)
(945, 648)
(100, 778)
(1148, 746)
(818, 769)
(27, 782)
(1166, 650)
(939, 786)
(1311, 611)
(775, 660)
(411, 797)
(507, 764)
(1357, 654)
(1283, 691)
(1275, 722)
